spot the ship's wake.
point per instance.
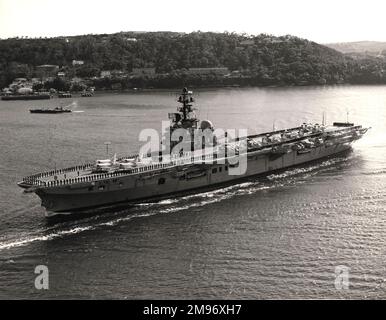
(111, 216)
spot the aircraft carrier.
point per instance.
(184, 165)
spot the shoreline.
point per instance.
(77, 94)
(139, 90)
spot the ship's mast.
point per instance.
(185, 117)
(186, 111)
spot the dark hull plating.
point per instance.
(144, 187)
(27, 97)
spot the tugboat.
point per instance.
(207, 163)
(54, 110)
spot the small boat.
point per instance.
(54, 110)
(64, 95)
(87, 94)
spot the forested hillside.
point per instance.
(257, 60)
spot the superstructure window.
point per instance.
(161, 180)
(214, 170)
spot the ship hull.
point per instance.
(27, 97)
(49, 111)
(145, 187)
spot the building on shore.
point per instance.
(105, 74)
(77, 62)
(19, 86)
(140, 72)
(221, 71)
(113, 74)
(46, 70)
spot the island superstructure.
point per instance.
(150, 176)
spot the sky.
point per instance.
(323, 21)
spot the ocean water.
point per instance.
(278, 237)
